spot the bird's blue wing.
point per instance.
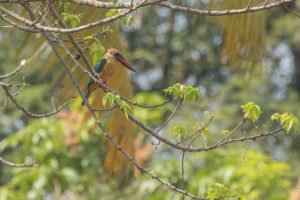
(98, 68)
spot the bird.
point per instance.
(105, 68)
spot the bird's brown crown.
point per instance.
(114, 52)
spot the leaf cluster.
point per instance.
(220, 192)
(251, 111)
(113, 99)
(126, 21)
(287, 120)
(71, 19)
(97, 49)
(183, 92)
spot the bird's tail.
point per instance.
(87, 95)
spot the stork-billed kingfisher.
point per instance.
(105, 68)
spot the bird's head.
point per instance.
(117, 55)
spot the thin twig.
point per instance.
(182, 173)
(23, 28)
(189, 149)
(204, 139)
(7, 27)
(223, 12)
(104, 109)
(198, 131)
(4, 103)
(10, 164)
(249, 3)
(30, 114)
(68, 30)
(170, 117)
(14, 72)
(292, 11)
(5, 84)
(265, 3)
(42, 15)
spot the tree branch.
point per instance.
(23, 63)
(224, 12)
(10, 164)
(30, 114)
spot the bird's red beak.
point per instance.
(124, 62)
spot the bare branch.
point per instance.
(4, 103)
(182, 173)
(170, 117)
(10, 164)
(224, 12)
(104, 109)
(249, 4)
(42, 15)
(68, 30)
(290, 10)
(204, 139)
(23, 63)
(197, 133)
(190, 149)
(265, 3)
(23, 28)
(100, 4)
(30, 114)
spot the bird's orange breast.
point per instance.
(107, 71)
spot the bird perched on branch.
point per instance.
(105, 68)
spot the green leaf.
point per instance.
(113, 12)
(108, 97)
(96, 57)
(125, 107)
(251, 111)
(129, 20)
(225, 132)
(71, 18)
(77, 19)
(180, 132)
(296, 123)
(89, 37)
(97, 51)
(205, 132)
(73, 23)
(289, 125)
(275, 116)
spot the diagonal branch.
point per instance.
(23, 28)
(170, 117)
(23, 63)
(11, 164)
(30, 114)
(69, 30)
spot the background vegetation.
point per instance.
(231, 59)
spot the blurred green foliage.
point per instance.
(70, 163)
